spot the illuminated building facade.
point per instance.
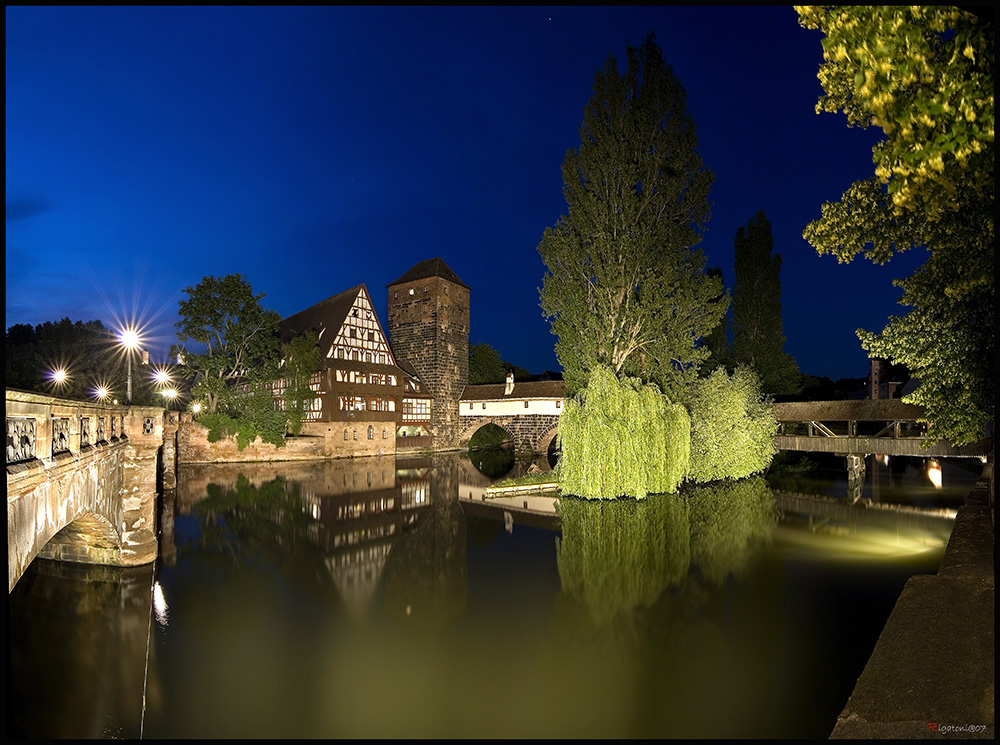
(381, 396)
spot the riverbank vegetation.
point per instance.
(924, 76)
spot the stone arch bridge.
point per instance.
(82, 481)
(534, 432)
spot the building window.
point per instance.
(345, 435)
(425, 288)
(371, 432)
(385, 434)
(558, 404)
(355, 434)
(526, 404)
(484, 407)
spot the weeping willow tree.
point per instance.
(622, 438)
(615, 557)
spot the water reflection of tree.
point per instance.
(494, 462)
(245, 525)
(616, 557)
(730, 522)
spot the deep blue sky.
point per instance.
(313, 149)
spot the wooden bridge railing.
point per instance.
(887, 427)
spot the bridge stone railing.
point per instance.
(81, 481)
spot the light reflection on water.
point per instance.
(364, 598)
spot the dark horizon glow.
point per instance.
(314, 149)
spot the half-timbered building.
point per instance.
(360, 388)
(377, 400)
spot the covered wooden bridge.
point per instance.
(864, 427)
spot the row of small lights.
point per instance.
(130, 341)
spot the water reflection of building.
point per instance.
(357, 509)
(426, 582)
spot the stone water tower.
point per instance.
(429, 330)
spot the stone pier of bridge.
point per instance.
(82, 480)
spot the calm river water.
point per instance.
(382, 598)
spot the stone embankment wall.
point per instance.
(318, 441)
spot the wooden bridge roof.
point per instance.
(861, 410)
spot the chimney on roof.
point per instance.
(509, 388)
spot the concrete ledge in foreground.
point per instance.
(931, 674)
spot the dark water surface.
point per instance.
(382, 598)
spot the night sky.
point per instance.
(313, 149)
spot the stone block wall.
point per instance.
(318, 441)
(429, 329)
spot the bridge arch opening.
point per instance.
(488, 435)
(88, 539)
(490, 450)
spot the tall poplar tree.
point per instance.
(626, 286)
(924, 75)
(758, 339)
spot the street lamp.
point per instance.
(59, 377)
(170, 394)
(129, 339)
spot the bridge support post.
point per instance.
(139, 535)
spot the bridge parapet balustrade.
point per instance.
(69, 462)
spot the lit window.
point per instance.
(355, 434)
(371, 432)
(385, 435)
(345, 435)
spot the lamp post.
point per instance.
(129, 339)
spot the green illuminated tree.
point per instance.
(622, 438)
(732, 426)
(300, 358)
(758, 340)
(237, 338)
(626, 286)
(924, 75)
(717, 342)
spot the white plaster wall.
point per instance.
(512, 407)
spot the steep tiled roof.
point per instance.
(430, 268)
(327, 315)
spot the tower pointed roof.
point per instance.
(430, 268)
